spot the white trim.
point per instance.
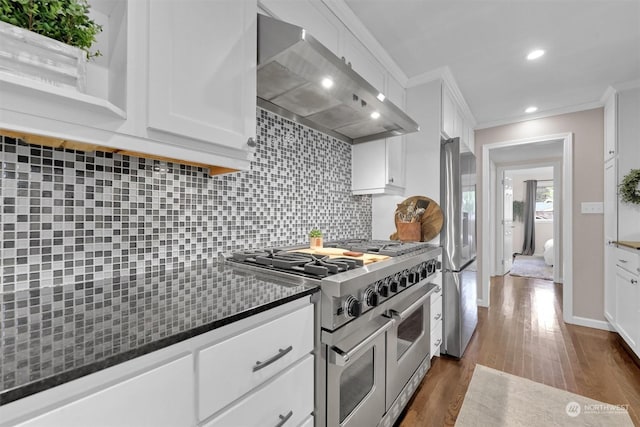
(344, 13)
(633, 84)
(488, 232)
(610, 91)
(590, 323)
(541, 115)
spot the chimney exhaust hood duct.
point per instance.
(304, 81)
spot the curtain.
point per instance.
(529, 244)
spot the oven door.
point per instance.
(356, 376)
(408, 341)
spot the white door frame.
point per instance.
(488, 236)
(557, 211)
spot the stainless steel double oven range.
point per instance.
(374, 337)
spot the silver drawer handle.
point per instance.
(284, 419)
(634, 281)
(438, 342)
(401, 316)
(341, 357)
(259, 365)
(624, 261)
(437, 316)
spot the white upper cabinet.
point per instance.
(395, 92)
(363, 62)
(448, 114)
(378, 166)
(610, 125)
(202, 71)
(319, 23)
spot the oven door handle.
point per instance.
(342, 357)
(402, 315)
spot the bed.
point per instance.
(548, 252)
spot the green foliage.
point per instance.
(315, 233)
(630, 187)
(67, 21)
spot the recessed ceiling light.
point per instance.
(535, 54)
(531, 109)
(327, 82)
(381, 97)
(375, 115)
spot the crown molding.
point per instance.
(353, 24)
(541, 115)
(609, 92)
(632, 84)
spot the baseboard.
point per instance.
(590, 323)
(482, 303)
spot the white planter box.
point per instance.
(33, 56)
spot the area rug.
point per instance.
(531, 266)
(495, 398)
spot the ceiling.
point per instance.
(589, 45)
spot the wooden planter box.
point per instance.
(36, 57)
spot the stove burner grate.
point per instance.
(297, 262)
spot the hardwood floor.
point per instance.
(522, 333)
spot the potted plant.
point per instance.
(315, 239)
(48, 40)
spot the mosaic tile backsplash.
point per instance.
(71, 217)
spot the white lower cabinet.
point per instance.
(286, 400)
(160, 397)
(245, 361)
(436, 319)
(308, 422)
(627, 293)
(255, 371)
(436, 326)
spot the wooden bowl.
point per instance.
(431, 221)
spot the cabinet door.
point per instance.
(610, 127)
(448, 113)
(202, 70)
(160, 397)
(368, 167)
(627, 314)
(395, 157)
(285, 401)
(610, 283)
(363, 62)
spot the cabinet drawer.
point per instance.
(231, 368)
(289, 395)
(628, 260)
(308, 422)
(436, 339)
(436, 311)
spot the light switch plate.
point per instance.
(592, 207)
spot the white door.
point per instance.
(507, 223)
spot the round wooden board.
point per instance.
(431, 220)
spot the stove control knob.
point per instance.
(414, 277)
(352, 307)
(403, 281)
(424, 271)
(371, 297)
(383, 289)
(393, 286)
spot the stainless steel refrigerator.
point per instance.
(458, 240)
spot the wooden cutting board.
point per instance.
(338, 253)
(431, 221)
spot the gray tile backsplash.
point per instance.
(70, 217)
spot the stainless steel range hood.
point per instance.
(292, 67)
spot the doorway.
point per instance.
(556, 149)
(511, 184)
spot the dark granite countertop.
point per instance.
(49, 336)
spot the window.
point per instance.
(544, 201)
